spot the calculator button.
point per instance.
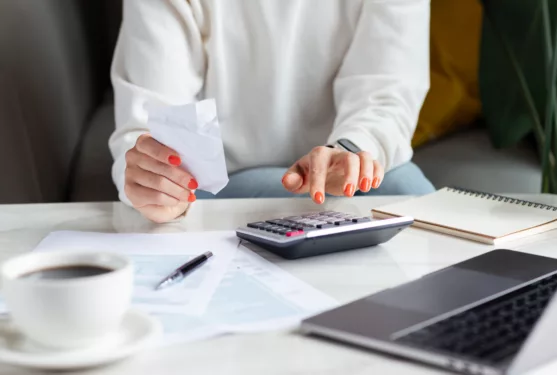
(312, 217)
(294, 233)
(325, 226)
(319, 222)
(274, 221)
(293, 218)
(361, 219)
(284, 223)
(290, 226)
(309, 229)
(283, 231)
(256, 225)
(343, 223)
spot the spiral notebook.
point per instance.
(482, 217)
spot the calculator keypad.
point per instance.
(292, 226)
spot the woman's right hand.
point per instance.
(155, 185)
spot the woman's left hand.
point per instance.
(333, 171)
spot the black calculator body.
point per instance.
(320, 233)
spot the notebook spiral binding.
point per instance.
(501, 198)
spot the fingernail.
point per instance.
(349, 190)
(192, 197)
(174, 160)
(375, 183)
(192, 185)
(319, 197)
(365, 185)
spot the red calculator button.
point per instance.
(293, 234)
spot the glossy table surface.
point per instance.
(344, 276)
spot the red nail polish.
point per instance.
(174, 160)
(192, 185)
(192, 198)
(375, 183)
(349, 190)
(365, 185)
(319, 197)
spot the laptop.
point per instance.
(493, 314)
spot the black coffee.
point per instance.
(67, 272)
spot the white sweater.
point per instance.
(287, 75)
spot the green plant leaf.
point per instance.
(507, 115)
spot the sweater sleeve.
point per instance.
(158, 57)
(384, 78)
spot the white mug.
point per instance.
(67, 313)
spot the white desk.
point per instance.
(345, 276)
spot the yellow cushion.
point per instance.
(453, 100)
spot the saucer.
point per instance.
(137, 331)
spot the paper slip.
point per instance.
(154, 257)
(192, 130)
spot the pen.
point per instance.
(181, 272)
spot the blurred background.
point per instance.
(56, 103)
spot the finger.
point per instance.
(149, 146)
(293, 179)
(366, 171)
(176, 175)
(351, 163)
(378, 174)
(161, 214)
(157, 182)
(141, 196)
(319, 159)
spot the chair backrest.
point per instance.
(54, 64)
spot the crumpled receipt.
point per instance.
(193, 131)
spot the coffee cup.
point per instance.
(66, 300)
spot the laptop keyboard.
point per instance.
(490, 332)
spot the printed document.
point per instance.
(154, 257)
(235, 291)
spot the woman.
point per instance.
(290, 77)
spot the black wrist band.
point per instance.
(347, 145)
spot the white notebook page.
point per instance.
(474, 214)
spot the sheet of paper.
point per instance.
(154, 257)
(245, 293)
(193, 131)
(257, 295)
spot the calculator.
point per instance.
(320, 233)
